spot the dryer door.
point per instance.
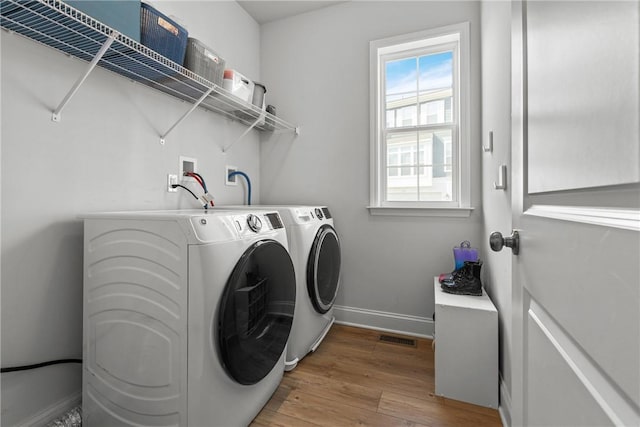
(256, 312)
(323, 269)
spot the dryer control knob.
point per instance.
(254, 222)
(319, 213)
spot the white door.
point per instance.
(576, 206)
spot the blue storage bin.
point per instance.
(161, 34)
(121, 15)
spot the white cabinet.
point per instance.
(466, 347)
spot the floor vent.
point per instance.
(397, 340)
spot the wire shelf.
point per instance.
(60, 26)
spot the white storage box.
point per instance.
(238, 85)
(466, 358)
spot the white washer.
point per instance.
(315, 250)
(186, 316)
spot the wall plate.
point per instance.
(172, 179)
(234, 179)
(187, 164)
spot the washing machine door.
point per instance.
(323, 269)
(256, 312)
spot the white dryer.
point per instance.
(315, 250)
(186, 316)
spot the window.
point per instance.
(419, 122)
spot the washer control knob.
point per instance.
(319, 213)
(254, 222)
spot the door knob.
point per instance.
(497, 242)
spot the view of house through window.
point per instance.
(419, 127)
(418, 146)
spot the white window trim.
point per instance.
(462, 207)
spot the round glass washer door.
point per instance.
(256, 312)
(323, 269)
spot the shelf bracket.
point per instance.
(56, 117)
(185, 115)
(228, 147)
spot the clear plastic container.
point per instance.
(204, 61)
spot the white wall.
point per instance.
(496, 204)
(104, 155)
(316, 68)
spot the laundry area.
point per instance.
(223, 213)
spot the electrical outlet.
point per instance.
(172, 179)
(233, 180)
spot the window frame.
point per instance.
(437, 39)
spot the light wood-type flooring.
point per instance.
(353, 379)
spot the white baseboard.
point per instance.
(54, 411)
(403, 324)
(505, 404)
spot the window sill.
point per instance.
(417, 211)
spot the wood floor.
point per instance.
(353, 379)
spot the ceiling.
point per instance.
(271, 10)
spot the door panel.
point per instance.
(551, 363)
(576, 286)
(583, 119)
(592, 291)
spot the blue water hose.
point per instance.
(232, 174)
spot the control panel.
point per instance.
(307, 214)
(212, 226)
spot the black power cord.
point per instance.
(39, 365)
(192, 193)
(185, 188)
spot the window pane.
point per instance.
(419, 166)
(436, 71)
(401, 171)
(401, 88)
(401, 77)
(436, 88)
